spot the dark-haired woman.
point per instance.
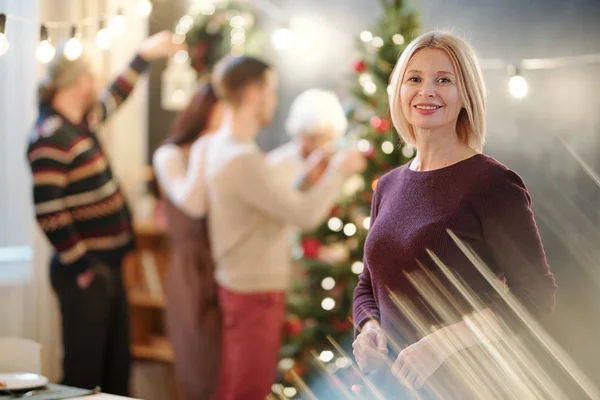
(192, 312)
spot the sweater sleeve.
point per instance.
(118, 91)
(260, 186)
(49, 164)
(183, 182)
(511, 233)
(364, 306)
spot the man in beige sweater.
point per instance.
(250, 210)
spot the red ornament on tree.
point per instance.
(370, 153)
(340, 326)
(293, 326)
(311, 247)
(380, 124)
(359, 66)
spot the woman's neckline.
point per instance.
(446, 168)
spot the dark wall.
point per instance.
(165, 15)
(562, 103)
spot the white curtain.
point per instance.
(28, 307)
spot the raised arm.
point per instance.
(154, 47)
(255, 182)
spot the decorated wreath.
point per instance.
(215, 28)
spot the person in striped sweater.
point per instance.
(81, 210)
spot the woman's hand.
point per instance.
(349, 162)
(416, 363)
(370, 347)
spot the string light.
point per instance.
(364, 78)
(335, 224)
(387, 147)
(282, 38)
(328, 283)
(103, 38)
(45, 50)
(408, 151)
(117, 24)
(363, 145)
(349, 229)
(343, 362)
(237, 21)
(328, 303)
(286, 364)
(181, 56)
(184, 25)
(290, 392)
(398, 39)
(377, 42)
(207, 9)
(367, 222)
(238, 36)
(326, 356)
(517, 85)
(143, 8)
(370, 88)
(277, 388)
(73, 47)
(366, 36)
(4, 45)
(357, 267)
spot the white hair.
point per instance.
(316, 110)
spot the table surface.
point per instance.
(102, 396)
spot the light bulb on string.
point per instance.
(282, 38)
(143, 8)
(289, 392)
(117, 24)
(103, 38)
(328, 283)
(326, 356)
(45, 50)
(328, 304)
(349, 229)
(4, 45)
(181, 57)
(377, 42)
(184, 25)
(517, 85)
(357, 267)
(73, 47)
(398, 39)
(335, 224)
(366, 36)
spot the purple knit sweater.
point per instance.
(481, 201)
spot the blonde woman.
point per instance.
(437, 104)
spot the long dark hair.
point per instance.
(194, 119)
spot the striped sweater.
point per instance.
(78, 203)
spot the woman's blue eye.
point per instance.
(413, 79)
(444, 80)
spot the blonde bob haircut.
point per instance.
(470, 126)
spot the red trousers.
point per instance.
(251, 338)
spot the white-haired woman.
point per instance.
(450, 188)
(315, 121)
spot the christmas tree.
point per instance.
(320, 303)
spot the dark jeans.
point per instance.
(95, 327)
